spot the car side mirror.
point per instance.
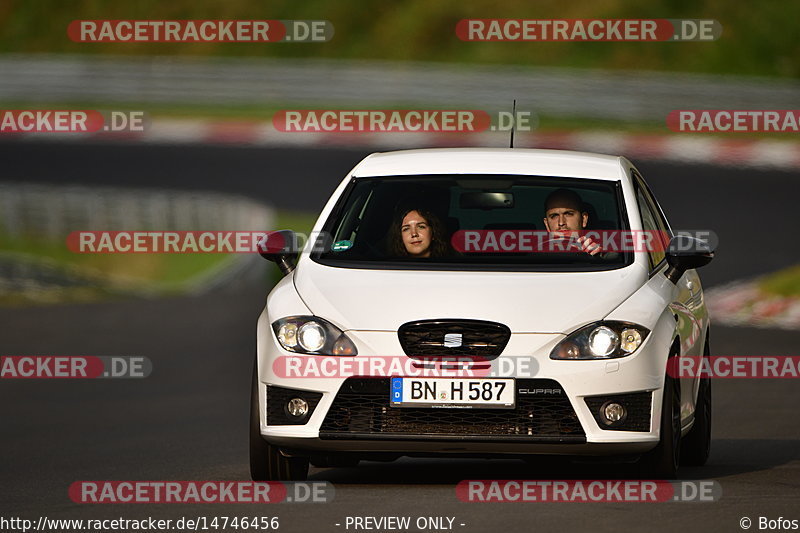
(685, 253)
(280, 247)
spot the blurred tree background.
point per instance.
(759, 38)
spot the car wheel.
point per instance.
(662, 462)
(267, 463)
(696, 445)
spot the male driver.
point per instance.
(563, 214)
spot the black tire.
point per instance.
(696, 445)
(267, 463)
(662, 462)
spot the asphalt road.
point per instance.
(188, 420)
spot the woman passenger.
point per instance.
(417, 233)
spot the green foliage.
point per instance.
(758, 38)
(783, 283)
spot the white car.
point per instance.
(566, 350)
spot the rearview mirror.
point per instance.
(686, 253)
(281, 247)
(486, 200)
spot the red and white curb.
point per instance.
(743, 303)
(678, 147)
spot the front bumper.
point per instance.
(344, 421)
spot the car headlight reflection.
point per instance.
(601, 340)
(312, 335)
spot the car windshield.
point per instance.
(469, 222)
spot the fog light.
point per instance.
(613, 413)
(297, 407)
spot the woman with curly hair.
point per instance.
(417, 233)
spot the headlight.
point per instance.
(631, 339)
(601, 340)
(312, 335)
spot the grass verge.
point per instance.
(784, 283)
(110, 276)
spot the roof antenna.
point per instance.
(513, 121)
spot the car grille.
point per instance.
(361, 411)
(426, 338)
(637, 405)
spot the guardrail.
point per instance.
(587, 93)
(53, 211)
(48, 213)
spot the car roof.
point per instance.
(520, 161)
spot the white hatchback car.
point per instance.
(567, 352)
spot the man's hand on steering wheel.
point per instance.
(586, 244)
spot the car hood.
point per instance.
(527, 302)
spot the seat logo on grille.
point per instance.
(452, 340)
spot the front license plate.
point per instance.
(453, 393)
